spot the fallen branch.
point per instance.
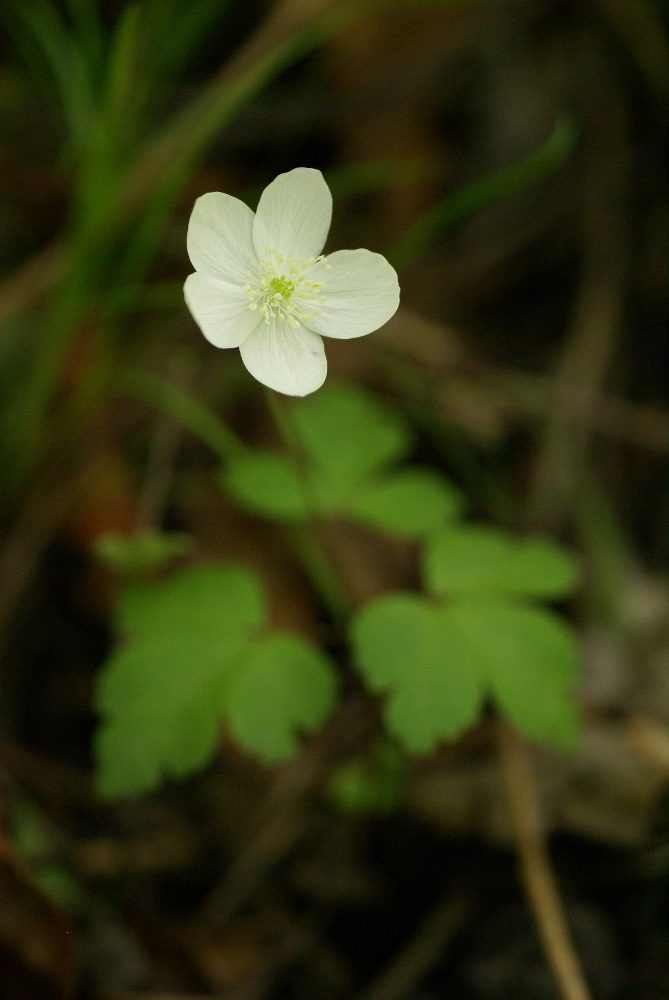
(404, 974)
(535, 865)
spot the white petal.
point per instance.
(294, 214)
(361, 293)
(289, 359)
(220, 237)
(220, 309)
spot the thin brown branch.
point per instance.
(283, 818)
(497, 394)
(519, 393)
(423, 952)
(537, 873)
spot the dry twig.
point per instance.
(422, 953)
(282, 818)
(497, 393)
(535, 864)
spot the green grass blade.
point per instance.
(184, 409)
(457, 206)
(64, 60)
(85, 18)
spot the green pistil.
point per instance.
(282, 286)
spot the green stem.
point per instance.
(185, 409)
(321, 572)
(108, 203)
(455, 207)
(313, 556)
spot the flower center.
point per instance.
(286, 289)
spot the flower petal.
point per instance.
(361, 294)
(220, 309)
(289, 359)
(294, 214)
(220, 237)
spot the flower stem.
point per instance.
(321, 572)
(535, 865)
(313, 556)
(284, 425)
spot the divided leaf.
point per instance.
(266, 483)
(348, 434)
(481, 559)
(161, 693)
(192, 659)
(410, 503)
(529, 657)
(350, 441)
(405, 648)
(436, 664)
(287, 685)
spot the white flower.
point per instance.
(262, 285)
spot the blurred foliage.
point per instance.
(195, 655)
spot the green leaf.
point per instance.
(348, 434)
(405, 648)
(161, 694)
(409, 503)
(267, 484)
(141, 554)
(287, 685)
(529, 658)
(370, 787)
(436, 663)
(62, 886)
(467, 560)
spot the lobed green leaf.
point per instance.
(482, 559)
(192, 659)
(287, 685)
(268, 484)
(161, 693)
(528, 658)
(405, 648)
(410, 503)
(437, 663)
(348, 434)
